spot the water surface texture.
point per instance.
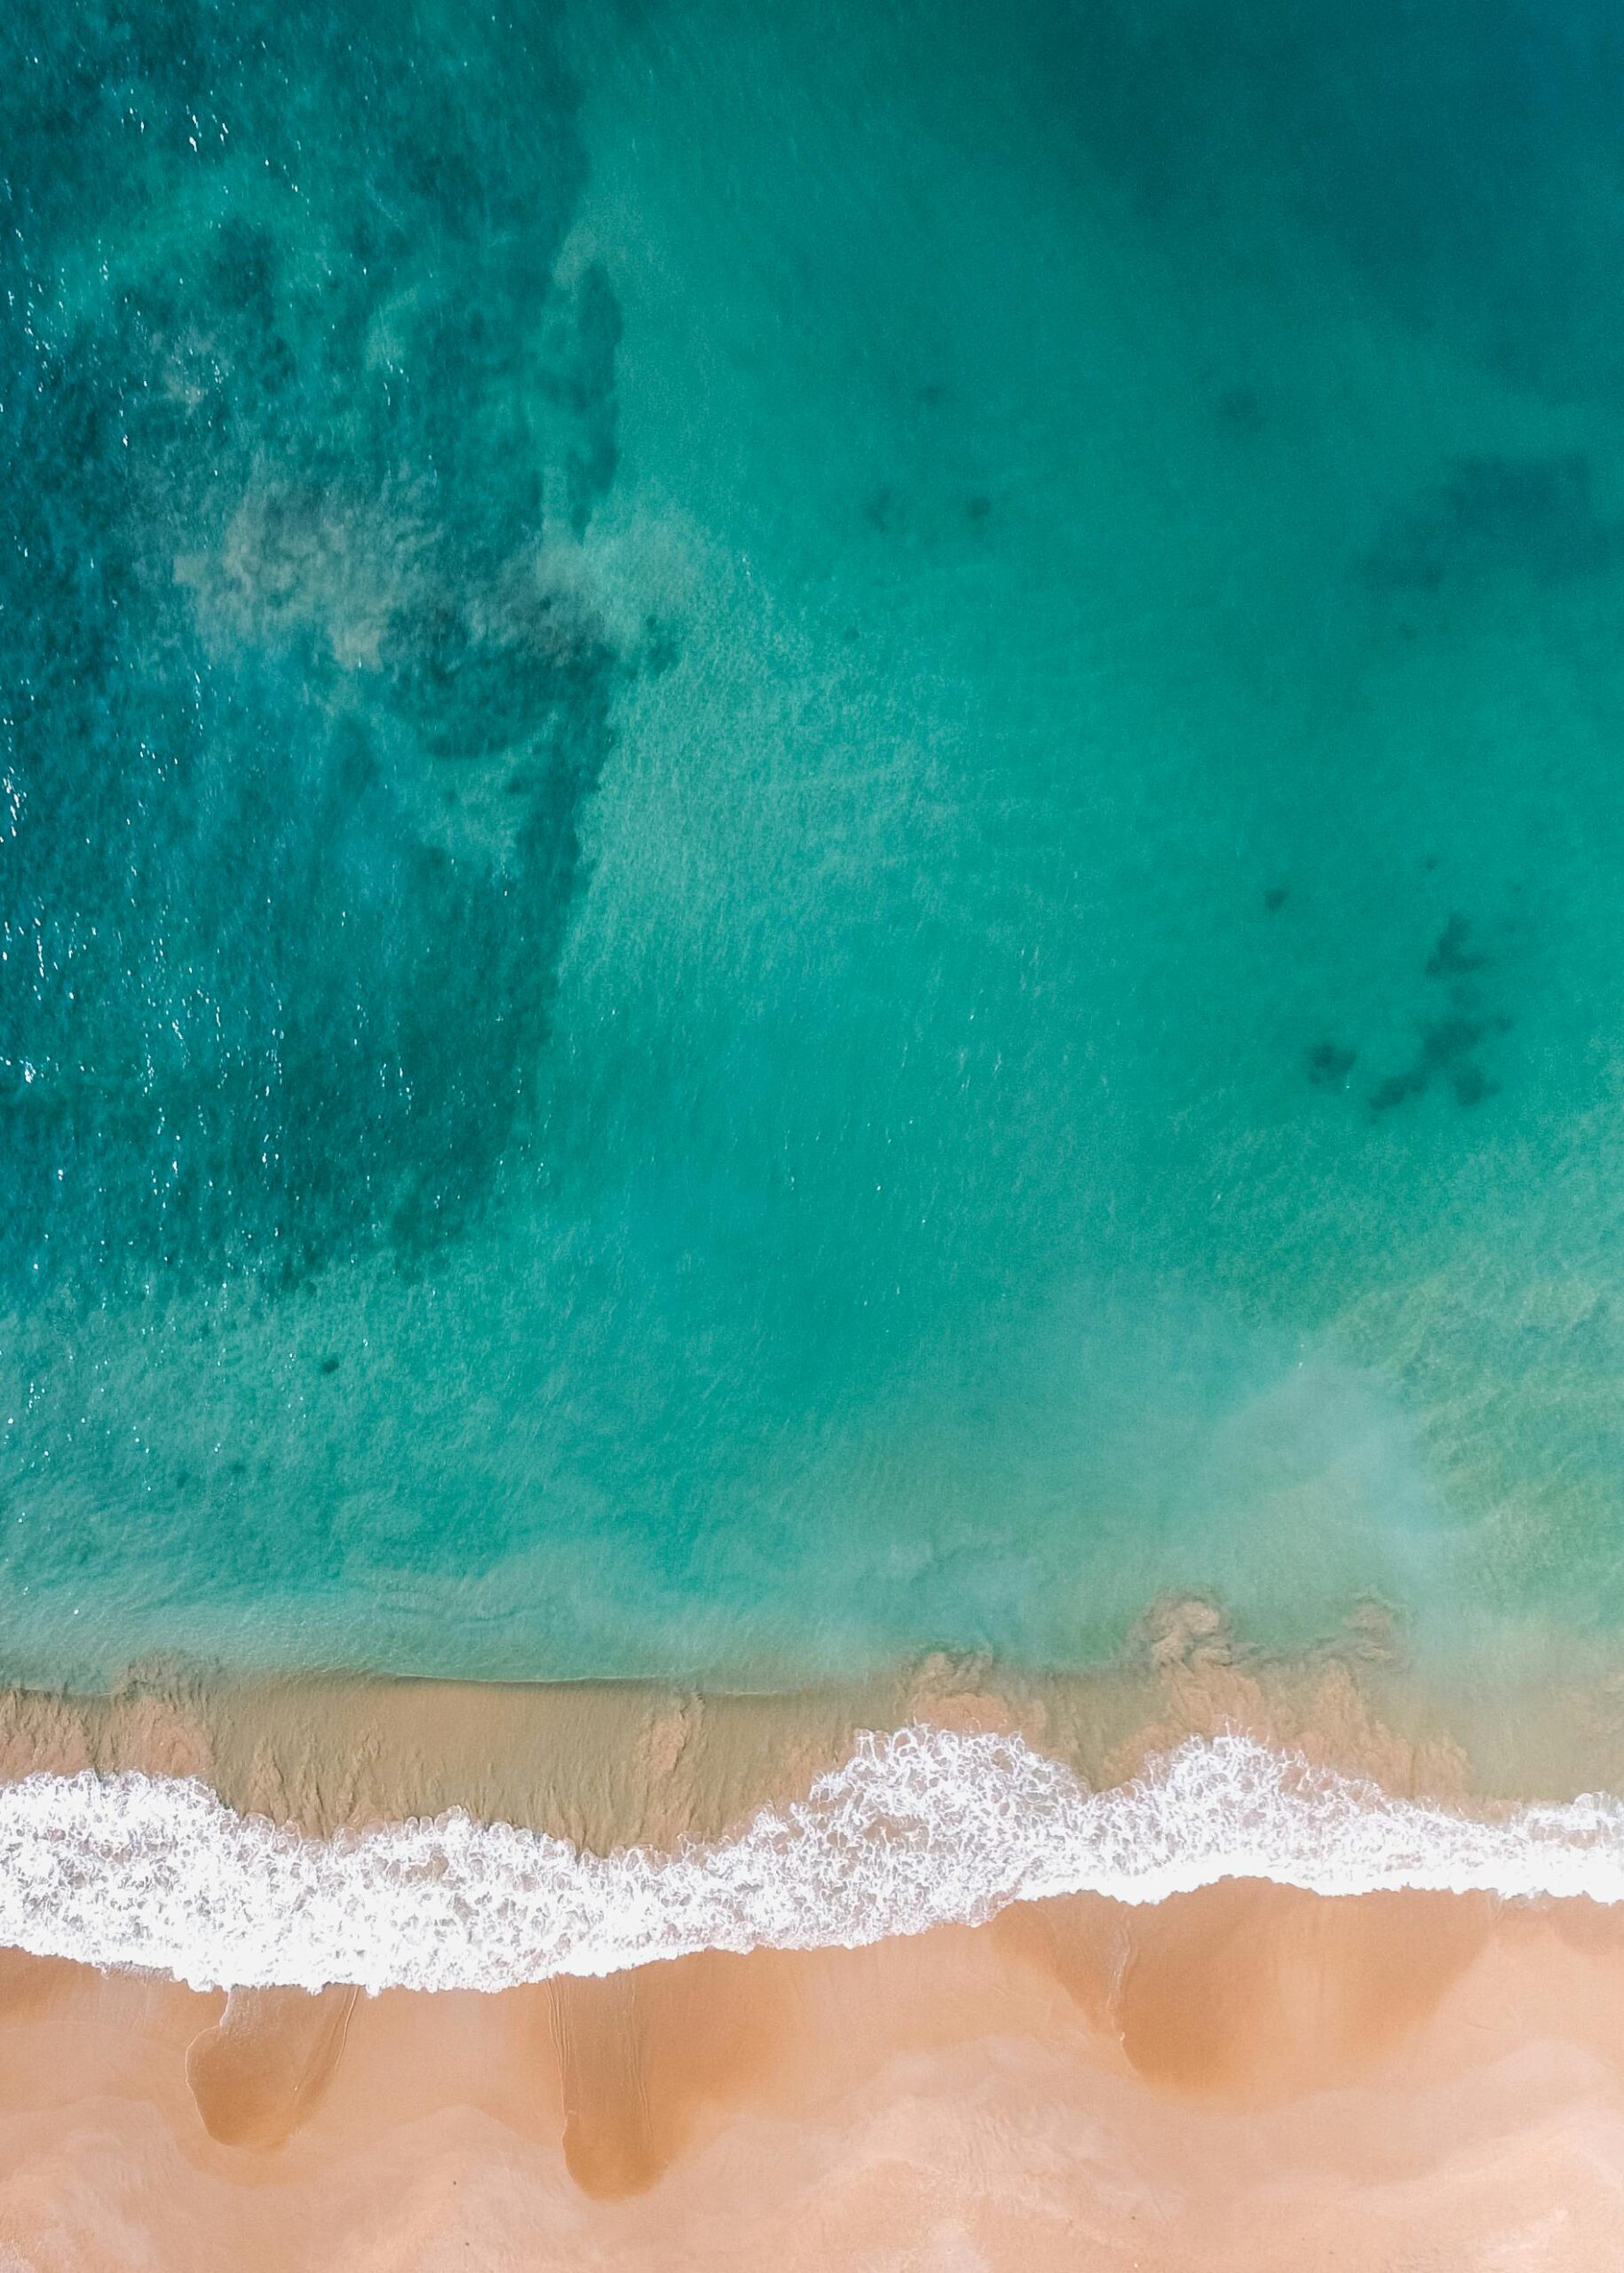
(811, 829)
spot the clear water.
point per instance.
(812, 828)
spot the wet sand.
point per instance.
(612, 1764)
(1245, 2078)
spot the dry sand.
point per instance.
(1246, 2078)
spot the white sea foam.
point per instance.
(918, 1828)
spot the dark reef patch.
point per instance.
(1329, 1065)
(1448, 1051)
(302, 695)
(1540, 516)
(1451, 1040)
(1454, 955)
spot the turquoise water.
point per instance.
(812, 828)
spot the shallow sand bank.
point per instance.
(611, 1765)
(1245, 2077)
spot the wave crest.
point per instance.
(919, 1828)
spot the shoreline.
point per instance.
(1238, 2075)
(921, 1829)
(616, 1763)
(322, 1831)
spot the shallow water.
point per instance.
(814, 831)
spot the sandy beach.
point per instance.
(1246, 2078)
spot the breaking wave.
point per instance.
(919, 1828)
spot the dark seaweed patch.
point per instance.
(1471, 1085)
(1539, 515)
(1450, 1042)
(1398, 1088)
(1329, 1065)
(1453, 957)
(300, 712)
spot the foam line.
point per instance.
(918, 1828)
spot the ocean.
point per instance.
(811, 832)
(812, 1136)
